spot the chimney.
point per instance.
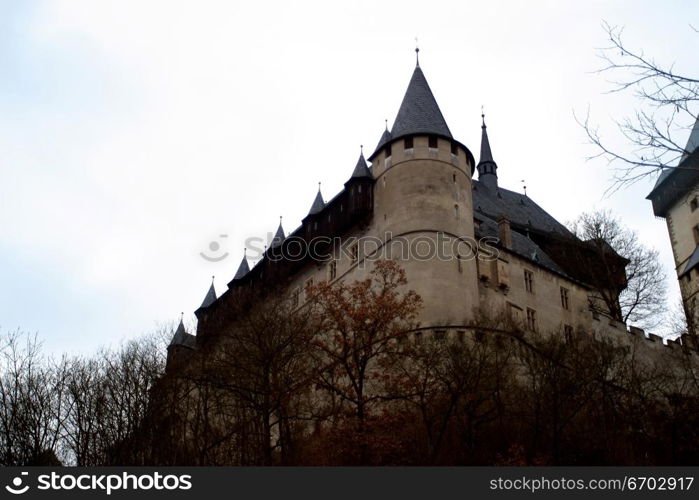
(505, 231)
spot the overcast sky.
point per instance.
(134, 133)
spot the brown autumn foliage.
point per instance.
(346, 381)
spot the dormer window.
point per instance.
(432, 141)
(408, 143)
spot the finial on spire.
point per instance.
(181, 317)
(386, 120)
(525, 186)
(482, 116)
(417, 54)
(212, 279)
(319, 186)
(361, 149)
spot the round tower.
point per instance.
(423, 206)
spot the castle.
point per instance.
(675, 198)
(412, 196)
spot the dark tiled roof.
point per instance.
(692, 262)
(486, 154)
(243, 269)
(419, 112)
(519, 208)
(361, 169)
(521, 245)
(278, 236)
(692, 145)
(385, 137)
(181, 337)
(318, 204)
(210, 297)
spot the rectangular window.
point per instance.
(454, 149)
(440, 335)
(388, 151)
(332, 273)
(531, 320)
(432, 141)
(693, 204)
(418, 337)
(461, 336)
(564, 298)
(408, 143)
(568, 333)
(529, 281)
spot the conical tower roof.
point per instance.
(243, 269)
(361, 169)
(487, 168)
(180, 336)
(278, 236)
(210, 297)
(419, 112)
(318, 203)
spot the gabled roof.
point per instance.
(318, 204)
(519, 208)
(419, 112)
(243, 269)
(210, 297)
(521, 245)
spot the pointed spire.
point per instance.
(487, 168)
(279, 235)
(385, 138)
(417, 54)
(318, 203)
(210, 295)
(361, 169)
(180, 336)
(243, 269)
(419, 112)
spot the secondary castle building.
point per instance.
(420, 187)
(675, 197)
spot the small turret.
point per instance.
(318, 203)
(487, 168)
(243, 269)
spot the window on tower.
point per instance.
(408, 143)
(432, 141)
(388, 151)
(454, 149)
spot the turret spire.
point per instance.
(487, 168)
(361, 169)
(419, 112)
(244, 268)
(210, 295)
(279, 235)
(318, 203)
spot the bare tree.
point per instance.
(31, 397)
(657, 131)
(640, 297)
